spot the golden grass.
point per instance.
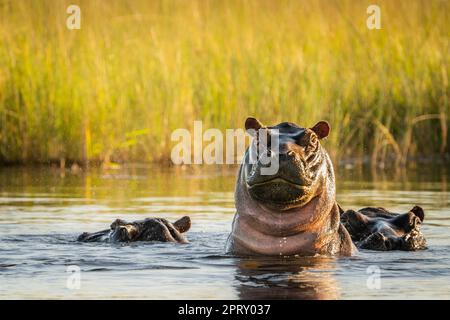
(139, 69)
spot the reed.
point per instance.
(136, 70)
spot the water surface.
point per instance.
(42, 210)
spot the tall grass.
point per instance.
(139, 69)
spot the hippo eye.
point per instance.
(313, 140)
(312, 143)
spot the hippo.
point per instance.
(150, 229)
(294, 210)
(379, 229)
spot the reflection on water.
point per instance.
(42, 210)
(293, 278)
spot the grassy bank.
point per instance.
(136, 70)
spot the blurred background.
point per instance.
(114, 90)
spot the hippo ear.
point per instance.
(183, 224)
(322, 129)
(252, 125)
(418, 211)
(118, 222)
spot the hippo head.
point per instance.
(378, 229)
(303, 164)
(150, 229)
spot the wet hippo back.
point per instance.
(293, 210)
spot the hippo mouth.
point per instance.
(279, 191)
(276, 179)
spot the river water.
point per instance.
(42, 210)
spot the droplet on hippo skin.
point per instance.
(281, 245)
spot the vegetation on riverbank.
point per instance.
(137, 70)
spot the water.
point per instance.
(42, 210)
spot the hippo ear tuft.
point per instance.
(252, 125)
(418, 211)
(183, 224)
(321, 129)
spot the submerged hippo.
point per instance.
(379, 229)
(150, 229)
(294, 211)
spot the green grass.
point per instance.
(139, 69)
